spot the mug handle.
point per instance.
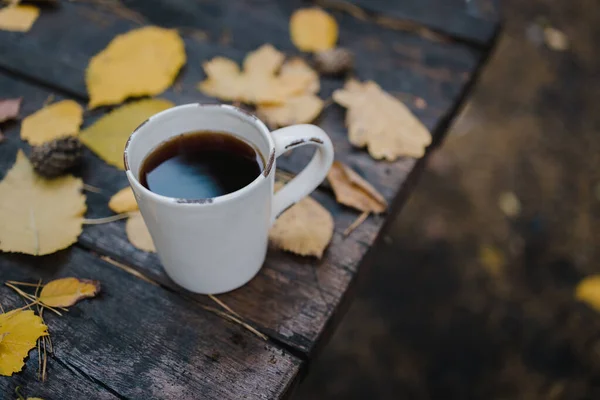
(312, 175)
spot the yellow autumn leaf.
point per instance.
(588, 291)
(301, 108)
(39, 216)
(108, 135)
(18, 18)
(21, 329)
(353, 191)
(123, 201)
(59, 119)
(313, 30)
(306, 228)
(257, 83)
(65, 292)
(142, 62)
(138, 234)
(379, 121)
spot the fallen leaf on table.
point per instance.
(306, 228)
(67, 291)
(379, 121)
(141, 62)
(56, 120)
(39, 216)
(9, 108)
(588, 291)
(123, 201)
(312, 30)
(353, 191)
(257, 83)
(296, 110)
(301, 108)
(18, 18)
(555, 39)
(108, 135)
(137, 233)
(21, 329)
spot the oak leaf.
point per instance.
(306, 228)
(20, 330)
(9, 108)
(353, 191)
(39, 216)
(379, 121)
(257, 83)
(588, 291)
(65, 292)
(108, 135)
(18, 18)
(138, 234)
(141, 62)
(123, 201)
(313, 30)
(56, 120)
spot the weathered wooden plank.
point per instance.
(290, 299)
(64, 383)
(404, 64)
(474, 21)
(142, 341)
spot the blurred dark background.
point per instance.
(471, 295)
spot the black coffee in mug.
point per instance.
(200, 165)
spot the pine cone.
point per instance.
(54, 158)
(334, 62)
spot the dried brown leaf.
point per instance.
(9, 108)
(353, 191)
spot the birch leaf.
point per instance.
(39, 216)
(138, 234)
(20, 330)
(313, 30)
(67, 291)
(123, 201)
(56, 120)
(18, 18)
(142, 62)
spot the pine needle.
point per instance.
(236, 320)
(105, 220)
(225, 306)
(91, 188)
(33, 299)
(129, 270)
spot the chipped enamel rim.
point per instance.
(238, 112)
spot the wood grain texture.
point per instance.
(475, 21)
(143, 342)
(293, 298)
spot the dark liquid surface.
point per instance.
(200, 165)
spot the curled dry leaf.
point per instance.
(56, 120)
(379, 121)
(353, 191)
(9, 108)
(67, 291)
(312, 30)
(588, 291)
(257, 83)
(306, 228)
(108, 135)
(123, 201)
(142, 62)
(20, 330)
(138, 234)
(39, 216)
(18, 18)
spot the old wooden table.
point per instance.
(141, 340)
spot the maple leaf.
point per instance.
(141, 62)
(39, 216)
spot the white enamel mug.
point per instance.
(216, 245)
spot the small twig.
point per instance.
(225, 306)
(236, 320)
(129, 270)
(361, 218)
(105, 220)
(91, 188)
